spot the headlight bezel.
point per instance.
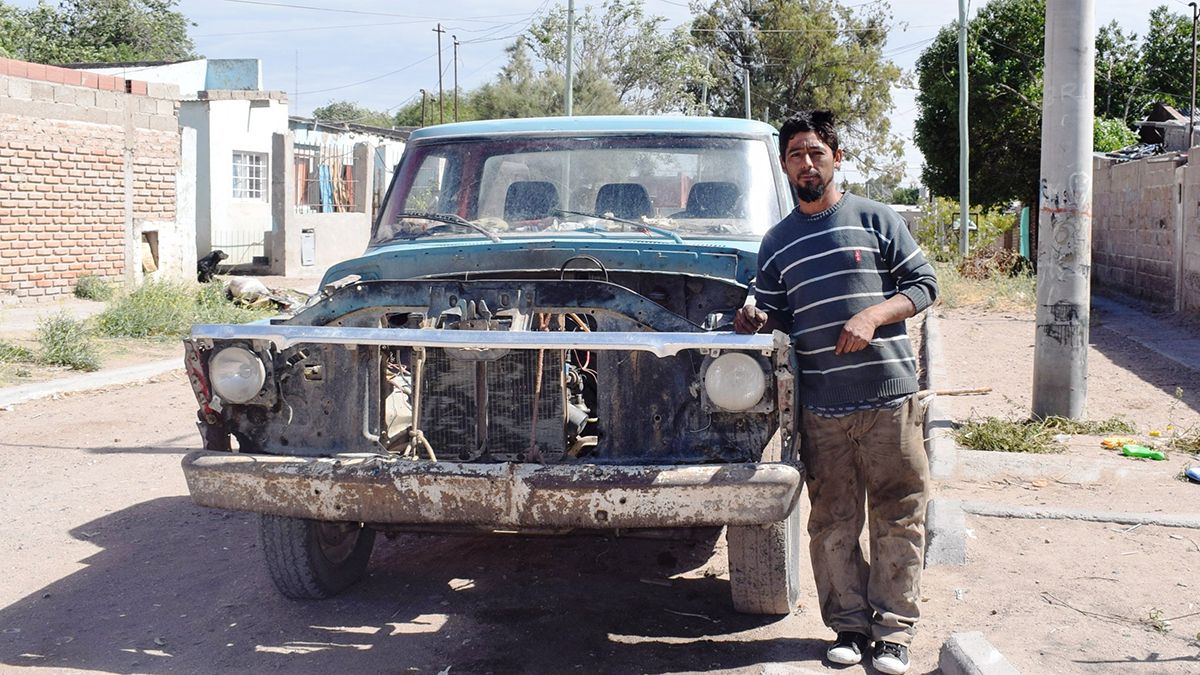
(257, 370)
(765, 401)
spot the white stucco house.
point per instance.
(277, 194)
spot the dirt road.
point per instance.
(109, 567)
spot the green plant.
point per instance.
(936, 232)
(1110, 134)
(1032, 435)
(90, 287)
(1112, 425)
(10, 353)
(1000, 291)
(66, 341)
(1155, 620)
(168, 309)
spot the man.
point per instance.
(841, 273)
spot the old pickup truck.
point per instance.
(537, 338)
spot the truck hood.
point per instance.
(729, 259)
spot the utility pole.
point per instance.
(1192, 109)
(704, 85)
(455, 38)
(746, 88)
(422, 107)
(1065, 253)
(964, 178)
(569, 95)
(441, 108)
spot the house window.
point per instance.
(248, 180)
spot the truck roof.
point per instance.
(601, 124)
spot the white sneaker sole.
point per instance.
(890, 666)
(843, 657)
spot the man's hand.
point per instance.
(749, 320)
(857, 333)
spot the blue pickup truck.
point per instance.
(537, 338)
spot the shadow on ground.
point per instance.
(179, 588)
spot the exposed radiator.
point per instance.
(448, 406)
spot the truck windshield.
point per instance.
(600, 185)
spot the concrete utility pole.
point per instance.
(569, 95)
(422, 107)
(441, 108)
(1192, 109)
(746, 88)
(455, 38)
(964, 152)
(1065, 216)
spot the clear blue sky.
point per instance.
(379, 53)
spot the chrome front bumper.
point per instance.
(385, 490)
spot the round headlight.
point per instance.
(735, 381)
(237, 375)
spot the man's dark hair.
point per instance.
(820, 122)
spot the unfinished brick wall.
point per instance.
(1135, 218)
(82, 166)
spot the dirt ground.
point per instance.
(109, 567)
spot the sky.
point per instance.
(380, 53)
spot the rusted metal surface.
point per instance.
(385, 490)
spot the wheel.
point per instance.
(764, 560)
(313, 559)
(764, 565)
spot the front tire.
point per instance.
(313, 559)
(764, 565)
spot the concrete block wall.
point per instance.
(88, 164)
(1136, 211)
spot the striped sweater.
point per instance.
(817, 271)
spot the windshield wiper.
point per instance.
(644, 226)
(449, 219)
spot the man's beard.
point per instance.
(809, 192)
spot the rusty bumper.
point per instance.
(385, 490)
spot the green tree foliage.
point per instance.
(806, 54)
(96, 31)
(1167, 57)
(650, 71)
(1120, 76)
(935, 229)
(910, 196)
(1110, 134)
(338, 112)
(1004, 55)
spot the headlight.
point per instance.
(237, 375)
(735, 382)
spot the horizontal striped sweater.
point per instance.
(817, 271)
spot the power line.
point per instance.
(370, 79)
(304, 28)
(478, 19)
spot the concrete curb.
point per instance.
(945, 533)
(939, 444)
(31, 392)
(972, 654)
(1050, 513)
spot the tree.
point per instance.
(1005, 62)
(649, 71)
(1120, 75)
(1167, 57)
(96, 31)
(806, 54)
(1110, 134)
(338, 112)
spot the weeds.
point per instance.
(10, 353)
(168, 309)
(1155, 620)
(89, 287)
(1034, 436)
(66, 341)
(997, 291)
(1188, 441)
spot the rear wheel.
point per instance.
(313, 559)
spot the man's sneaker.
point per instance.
(848, 648)
(890, 658)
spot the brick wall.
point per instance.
(87, 162)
